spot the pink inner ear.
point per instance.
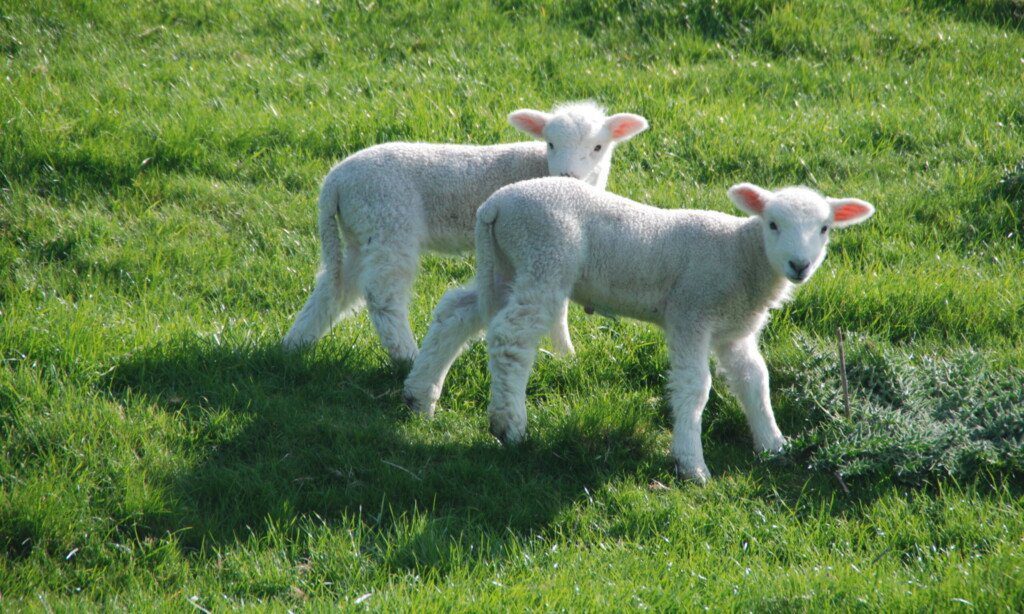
(849, 211)
(530, 124)
(752, 199)
(625, 127)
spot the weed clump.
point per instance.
(912, 418)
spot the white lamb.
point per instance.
(390, 202)
(707, 278)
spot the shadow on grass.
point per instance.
(278, 436)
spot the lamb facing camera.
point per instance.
(707, 278)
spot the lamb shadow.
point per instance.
(278, 437)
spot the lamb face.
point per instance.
(795, 223)
(580, 139)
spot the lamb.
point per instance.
(386, 204)
(707, 278)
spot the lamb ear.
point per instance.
(624, 126)
(529, 121)
(849, 211)
(749, 197)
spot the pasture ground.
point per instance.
(159, 164)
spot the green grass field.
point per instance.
(159, 166)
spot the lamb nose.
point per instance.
(565, 175)
(799, 267)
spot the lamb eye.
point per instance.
(551, 145)
(824, 229)
(773, 226)
(598, 148)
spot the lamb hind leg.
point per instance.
(689, 385)
(512, 338)
(745, 371)
(334, 296)
(457, 320)
(387, 277)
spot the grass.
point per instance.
(159, 164)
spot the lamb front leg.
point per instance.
(561, 342)
(743, 366)
(689, 386)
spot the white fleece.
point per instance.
(380, 208)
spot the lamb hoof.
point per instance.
(402, 357)
(424, 409)
(499, 434)
(563, 352)
(774, 446)
(402, 364)
(699, 475)
(505, 433)
(293, 344)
